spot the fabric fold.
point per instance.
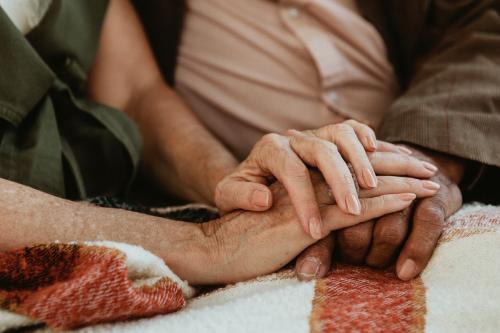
(79, 284)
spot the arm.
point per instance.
(452, 101)
(452, 104)
(182, 155)
(30, 217)
(240, 246)
(179, 153)
(450, 115)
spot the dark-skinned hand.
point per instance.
(408, 237)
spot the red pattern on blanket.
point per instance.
(361, 299)
(68, 286)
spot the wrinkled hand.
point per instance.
(329, 149)
(410, 235)
(246, 244)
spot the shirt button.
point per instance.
(293, 12)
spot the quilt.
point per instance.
(110, 287)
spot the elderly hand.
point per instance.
(329, 149)
(246, 244)
(409, 235)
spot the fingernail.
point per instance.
(430, 185)
(315, 228)
(407, 196)
(372, 143)
(309, 268)
(369, 178)
(430, 167)
(407, 271)
(353, 205)
(261, 198)
(405, 150)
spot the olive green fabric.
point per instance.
(51, 137)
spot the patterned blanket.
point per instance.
(74, 285)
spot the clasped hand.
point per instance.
(289, 158)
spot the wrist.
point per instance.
(202, 256)
(190, 257)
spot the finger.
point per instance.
(388, 147)
(287, 167)
(392, 184)
(354, 242)
(401, 165)
(371, 208)
(233, 193)
(389, 234)
(386, 185)
(428, 222)
(316, 260)
(353, 151)
(364, 133)
(325, 156)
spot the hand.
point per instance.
(243, 245)
(285, 157)
(415, 230)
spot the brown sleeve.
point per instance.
(452, 103)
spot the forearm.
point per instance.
(179, 152)
(232, 249)
(30, 217)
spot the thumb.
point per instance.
(232, 194)
(316, 260)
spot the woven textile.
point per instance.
(459, 291)
(73, 285)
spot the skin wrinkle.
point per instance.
(206, 189)
(290, 155)
(237, 247)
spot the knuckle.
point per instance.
(343, 128)
(318, 145)
(324, 148)
(406, 160)
(354, 240)
(309, 132)
(291, 132)
(332, 149)
(368, 130)
(383, 182)
(456, 196)
(390, 236)
(409, 185)
(234, 197)
(320, 249)
(346, 180)
(365, 206)
(352, 122)
(431, 215)
(295, 169)
(271, 139)
(416, 250)
(375, 158)
(370, 205)
(422, 249)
